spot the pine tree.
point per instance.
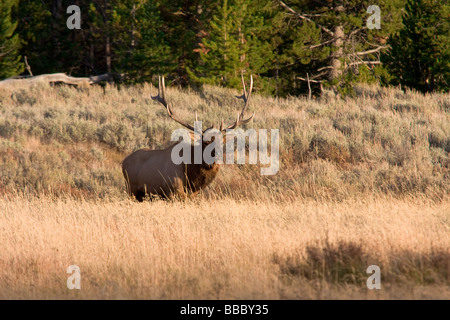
(183, 28)
(234, 44)
(34, 27)
(141, 48)
(420, 53)
(330, 43)
(50, 46)
(10, 60)
(219, 52)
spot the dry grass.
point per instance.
(62, 140)
(362, 181)
(224, 249)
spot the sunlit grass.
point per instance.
(363, 181)
(226, 249)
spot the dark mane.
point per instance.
(199, 176)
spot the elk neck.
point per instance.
(200, 175)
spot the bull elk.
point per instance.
(153, 173)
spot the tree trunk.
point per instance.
(56, 20)
(106, 18)
(338, 51)
(133, 28)
(91, 51)
(108, 54)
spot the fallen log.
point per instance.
(58, 77)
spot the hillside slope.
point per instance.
(64, 140)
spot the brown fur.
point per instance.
(152, 172)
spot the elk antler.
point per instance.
(240, 117)
(162, 100)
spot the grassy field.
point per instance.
(362, 181)
(224, 249)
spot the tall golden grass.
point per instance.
(224, 249)
(363, 181)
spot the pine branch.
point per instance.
(2, 54)
(28, 66)
(312, 79)
(314, 15)
(364, 62)
(356, 31)
(324, 68)
(301, 16)
(321, 44)
(361, 53)
(309, 80)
